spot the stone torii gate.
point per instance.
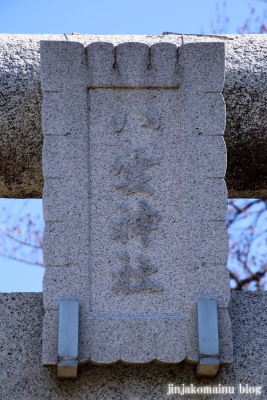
(108, 335)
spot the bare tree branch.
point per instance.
(20, 241)
(12, 257)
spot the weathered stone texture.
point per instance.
(117, 225)
(20, 108)
(23, 377)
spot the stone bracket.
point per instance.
(68, 334)
(208, 338)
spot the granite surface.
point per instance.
(21, 97)
(66, 188)
(22, 376)
(124, 234)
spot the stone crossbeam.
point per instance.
(20, 109)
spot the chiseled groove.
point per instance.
(211, 134)
(217, 220)
(56, 221)
(53, 91)
(133, 87)
(58, 134)
(59, 266)
(54, 177)
(135, 316)
(214, 177)
(208, 263)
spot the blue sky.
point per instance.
(19, 276)
(119, 16)
(104, 17)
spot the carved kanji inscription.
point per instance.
(130, 280)
(151, 118)
(117, 121)
(156, 114)
(139, 223)
(123, 275)
(142, 273)
(131, 171)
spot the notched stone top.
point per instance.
(133, 64)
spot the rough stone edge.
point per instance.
(64, 114)
(201, 75)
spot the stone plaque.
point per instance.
(134, 197)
